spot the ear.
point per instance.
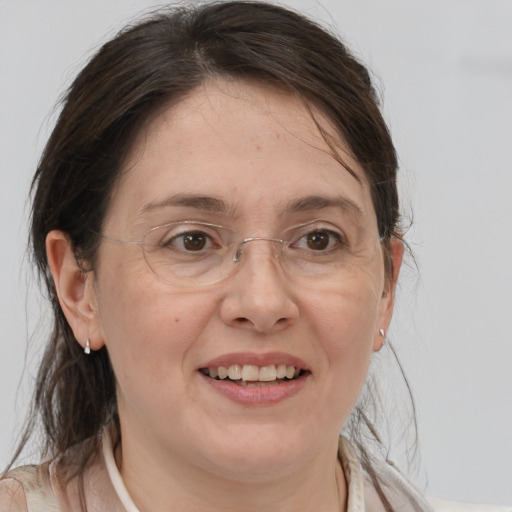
(396, 252)
(75, 290)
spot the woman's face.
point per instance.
(248, 157)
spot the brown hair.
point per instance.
(157, 61)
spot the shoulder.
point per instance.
(27, 489)
(401, 493)
(12, 495)
(454, 506)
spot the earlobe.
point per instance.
(381, 342)
(74, 289)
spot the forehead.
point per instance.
(248, 144)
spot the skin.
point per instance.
(257, 149)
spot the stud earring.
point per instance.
(382, 333)
(87, 348)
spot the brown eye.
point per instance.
(322, 241)
(194, 241)
(318, 240)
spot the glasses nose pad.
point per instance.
(238, 253)
(237, 256)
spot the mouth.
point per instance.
(249, 375)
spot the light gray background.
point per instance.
(445, 69)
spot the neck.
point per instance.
(156, 484)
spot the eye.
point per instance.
(319, 240)
(194, 241)
(190, 241)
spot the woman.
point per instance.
(216, 219)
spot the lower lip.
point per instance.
(257, 395)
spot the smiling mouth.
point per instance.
(252, 375)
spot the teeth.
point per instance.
(257, 383)
(235, 372)
(267, 373)
(281, 371)
(251, 374)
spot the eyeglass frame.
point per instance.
(236, 254)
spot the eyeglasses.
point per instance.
(190, 253)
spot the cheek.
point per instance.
(345, 322)
(347, 315)
(342, 326)
(147, 326)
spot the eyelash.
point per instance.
(338, 238)
(182, 236)
(334, 240)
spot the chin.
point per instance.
(261, 455)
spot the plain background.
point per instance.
(444, 68)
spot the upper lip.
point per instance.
(256, 359)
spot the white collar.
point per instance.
(115, 476)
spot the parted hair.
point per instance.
(158, 61)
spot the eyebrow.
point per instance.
(313, 202)
(205, 203)
(213, 204)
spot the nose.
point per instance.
(258, 296)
